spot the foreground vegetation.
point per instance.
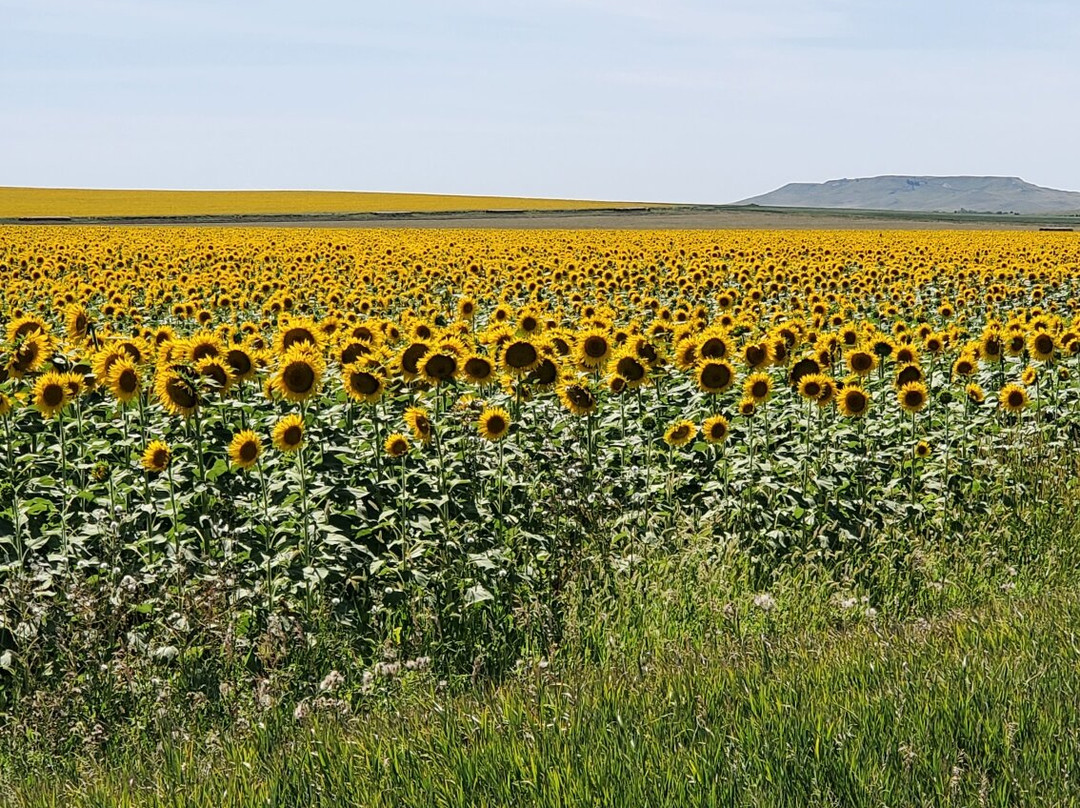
(268, 489)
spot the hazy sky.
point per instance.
(652, 100)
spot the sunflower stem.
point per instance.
(19, 550)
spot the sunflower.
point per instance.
(419, 423)
(520, 356)
(1041, 346)
(241, 363)
(747, 407)
(853, 401)
(123, 380)
(755, 355)
(216, 374)
(77, 322)
(466, 308)
(811, 386)
(907, 374)
(30, 356)
(1029, 376)
(50, 394)
(396, 445)
(715, 344)
(964, 366)
(361, 384)
(6, 405)
(439, 367)
(975, 393)
(175, 391)
(715, 375)
(299, 373)
(922, 449)
(758, 387)
(297, 331)
(201, 345)
(156, 457)
(630, 368)
(680, 433)
(577, 398)
(21, 327)
(494, 423)
(478, 369)
(1013, 398)
(288, 433)
(861, 362)
(828, 392)
(991, 347)
(715, 429)
(912, 396)
(546, 375)
(409, 359)
(244, 449)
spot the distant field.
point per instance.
(74, 202)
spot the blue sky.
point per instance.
(652, 100)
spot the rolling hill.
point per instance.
(930, 194)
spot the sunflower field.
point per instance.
(434, 436)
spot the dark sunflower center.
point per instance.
(521, 355)
(160, 458)
(856, 401)
(292, 435)
(364, 383)
(440, 367)
(412, 356)
(1016, 398)
(759, 389)
(714, 348)
(496, 425)
(478, 367)
(180, 393)
(248, 451)
(203, 350)
(630, 369)
(680, 433)
(239, 361)
(1044, 344)
(53, 395)
(755, 355)
(299, 377)
(128, 381)
(861, 362)
(295, 335)
(715, 376)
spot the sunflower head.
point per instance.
(244, 449)
(974, 393)
(520, 356)
(715, 429)
(123, 380)
(419, 423)
(51, 394)
(494, 423)
(1013, 398)
(922, 449)
(157, 456)
(478, 369)
(299, 374)
(853, 401)
(176, 391)
(715, 375)
(680, 433)
(362, 383)
(912, 396)
(396, 445)
(758, 387)
(288, 433)
(577, 397)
